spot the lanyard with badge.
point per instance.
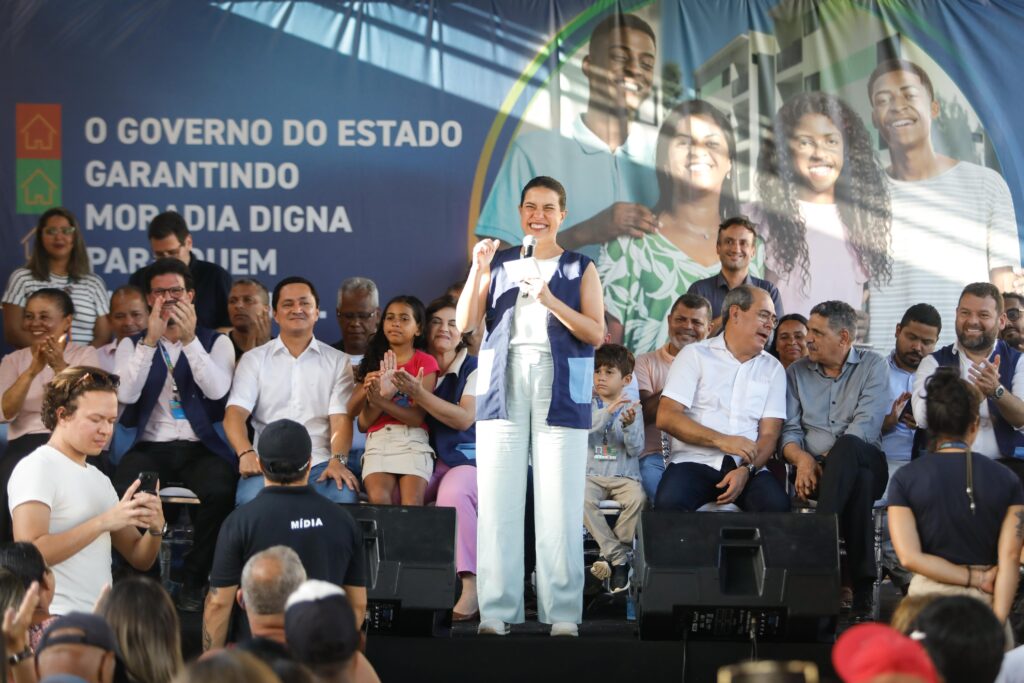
(604, 451)
(177, 411)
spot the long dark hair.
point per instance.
(39, 261)
(862, 195)
(728, 203)
(378, 344)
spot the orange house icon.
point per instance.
(38, 134)
(38, 189)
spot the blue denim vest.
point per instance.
(1008, 438)
(452, 447)
(573, 360)
(202, 412)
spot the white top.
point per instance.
(106, 355)
(530, 320)
(947, 231)
(271, 384)
(985, 443)
(210, 371)
(834, 272)
(1012, 670)
(723, 394)
(358, 437)
(88, 294)
(74, 494)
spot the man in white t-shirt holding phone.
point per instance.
(67, 507)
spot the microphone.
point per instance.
(529, 244)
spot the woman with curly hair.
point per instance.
(824, 204)
(695, 162)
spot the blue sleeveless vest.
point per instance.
(201, 412)
(452, 447)
(573, 359)
(1008, 438)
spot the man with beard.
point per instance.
(737, 241)
(838, 396)
(175, 379)
(687, 323)
(991, 365)
(607, 158)
(915, 338)
(1013, 333)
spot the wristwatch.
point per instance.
(162, 532)
(19, 657)
(998, 393)
(340, 457)
(752, 468)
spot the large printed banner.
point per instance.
(873, 143)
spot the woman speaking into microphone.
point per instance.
(534, 379)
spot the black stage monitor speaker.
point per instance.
(735, 575)
(410, 564)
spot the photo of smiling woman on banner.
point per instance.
(695, 162)
(824, 206)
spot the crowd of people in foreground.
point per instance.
(182, 383)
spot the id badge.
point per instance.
(604, 453)
(176, 410)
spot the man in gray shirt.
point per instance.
(837, 399)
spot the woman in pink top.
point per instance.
(24, 373)
(398, 452)
(824, 204)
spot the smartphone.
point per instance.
(148, 480)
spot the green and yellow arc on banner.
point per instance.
(512, 98)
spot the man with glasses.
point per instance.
(737, 242)
(175, 379)
(298, 377)
(1013, 333)
(169, 237)
(723, 405)
(838, 396)
(358, 314)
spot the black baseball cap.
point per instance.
(92, 630)
(284, 447)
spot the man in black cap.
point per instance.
(322, 633)
(78, 644)
(286, 512)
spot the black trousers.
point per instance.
(195, 466)
(14, 453)
(854, 477)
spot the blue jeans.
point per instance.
(688, 486)
(651, 468)
(250, 486)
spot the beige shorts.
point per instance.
(398, 449)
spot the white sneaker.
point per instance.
(493, 627)
(565, 628)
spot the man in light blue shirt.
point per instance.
(607, 164)
(916, 336)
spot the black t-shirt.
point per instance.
(326, 537)
(934, 487)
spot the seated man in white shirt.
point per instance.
(724, 404)
(67, 508)
(175, 378)
(297, 377)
